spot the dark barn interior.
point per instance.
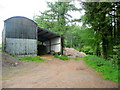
(43, 36)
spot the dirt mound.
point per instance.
(71, 52)
(9, 61)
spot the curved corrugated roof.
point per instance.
(20, 17)
(43, 34)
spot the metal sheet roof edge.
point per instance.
(20, 17)
(49, 31)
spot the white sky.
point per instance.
(26, 8)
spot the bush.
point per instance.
(87, 50)
(32, 58)
(115, 57)
(64, 58)
(107, 68)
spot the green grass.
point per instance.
(23, 73)
(12, 55)
(32, 58)
(64, 58)
(107, 68)
(0, 47)
(5, 79)
(77, 58)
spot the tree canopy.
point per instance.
(100, 32)
(57, 17)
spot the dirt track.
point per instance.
(54, 74)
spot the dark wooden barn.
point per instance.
(21, 36)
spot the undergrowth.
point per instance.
(64, 58)
(0, 47)
(77, 58)
(32, 58)
(107, 68)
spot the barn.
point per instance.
(22, 36)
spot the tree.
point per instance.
(57, 17)
(103, 18)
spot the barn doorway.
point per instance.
(48, 42)
(42, 49)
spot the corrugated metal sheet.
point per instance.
(20, 36)
(56, 44)
(21, 46)
(20, 27)
(53, 44)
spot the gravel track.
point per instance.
(54, 73)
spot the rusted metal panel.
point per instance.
(21, 46)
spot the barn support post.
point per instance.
(62, 45)
(42, 43)
(50, 45)
(37, 40)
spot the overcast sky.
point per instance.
(26, 8)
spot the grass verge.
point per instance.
(5, 79)
(107, 68)
(32, 58)
(0, 47)
(77, 58)
(64, 58)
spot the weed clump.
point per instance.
(32, 58)
(107, 68)
(64, 58)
